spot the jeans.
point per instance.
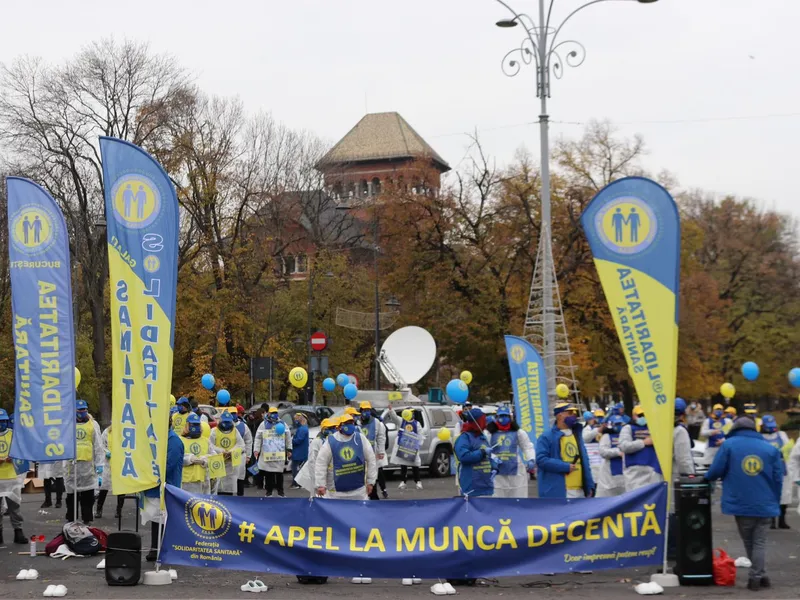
(296, 466)
(753, 531)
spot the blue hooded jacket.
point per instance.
(468, 451)
(552, 470)
(174, 464)
(751, 470)
(300, 444)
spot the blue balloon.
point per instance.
(329, 384)
(794, 377)
(280, 428)
(223, 397)
(457, 391)
(342, 379)
(350, 391)
(750, 371)
(208, 381)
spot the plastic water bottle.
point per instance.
(33, 546)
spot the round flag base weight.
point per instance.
(665, 580)
(156, 578)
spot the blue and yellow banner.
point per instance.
(634, 232)
(529, 383)
(41, 299)
(447, 538)
(142, 215)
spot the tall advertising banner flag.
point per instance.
(142, 215)
(44, 344)
(634, 232)
(529, 383)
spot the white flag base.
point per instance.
(156, 578)
(665, 580)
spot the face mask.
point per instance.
(641, 421)
(504, 420)
(3, 426)
(718, 413)
(195, 431)
(272, 418)
(83, 417)
(365, 416)
(297, 423)
(348, 429)
(571, 421)
(226, 426)
(693, 405)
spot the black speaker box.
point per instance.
(124, 558)
(695, 551)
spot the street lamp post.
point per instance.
(541, 45)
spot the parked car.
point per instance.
(212, 412)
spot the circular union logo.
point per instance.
(3, 447)
(752, 465)
(571, 450)
(506, 440)
(225, 442)
(347, 453)
(194, 448)
(626, 225)
(151, 263)
(81, 434)
(207, 519)
(409, 427)
(33, 230)
(137, 201)
(517, 353)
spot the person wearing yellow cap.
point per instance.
(272, 450)
(561, 457)
(730, 412)
(375, 432)
(751, 411)
(713, 432)
(405, 422)
(350, 455)
(306, 475)
(641, 463)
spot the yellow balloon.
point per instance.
(466, 377)
(171, 400)
(408, 415)
(298, 377)
(727, 390)
(77, 378)
(562, 390)
(444, 434)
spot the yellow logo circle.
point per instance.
(136, 201)
(81, 434)
(194, 448)
(225, 442)
(207, 518)
(517, 353)
(151, 263)
(627, 225)
(347, 454)
(752, 465)
(32, 230)
(570, 449)
(3, 447)
(506, 440)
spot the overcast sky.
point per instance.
(712, 85)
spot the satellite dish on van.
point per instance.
(411, 352)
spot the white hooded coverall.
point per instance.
(227, 484)
(86, 470)
(636, 476)
(609, 484)
(516, 485)
(325, 460)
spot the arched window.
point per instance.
(376, 186)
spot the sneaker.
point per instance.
(98, 513)
(402, 485)
(419, 485)
(294, 486)
(151, 556)
(753, 585)
(19, 537)
(765, 582)
(281, 495)
(46, 504)
(385, 494)
(58, 503)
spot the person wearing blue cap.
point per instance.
(230, 443)
(682, 444)
(196, 450)
(474, 456)
(779, 439)
(611, 481)
(514, 452)
(10, 481)
(81, 474)
(179, 418)
(562, 459)
(592, 432)
(619, 408)
(641, 461)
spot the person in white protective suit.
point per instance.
(196, 450)
(592, 432)
(10, 482)
(713, 430)
(105, 480)
(611, 479)
(228, 441)
(779, 439)
(81, 475)
(682, 460)
(272, 450)
(641, 463)
(793, 468)
(350, 455)
(374, 430)
(306, 476)
(247, 436)
(514, 453)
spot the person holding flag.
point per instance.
(350, 455)
(10, 482)
(81, 475)
(272, 450)
(713, 432)
(196, 450)
(228, 442)
(244, 431)
(779, 439)
(515, 455)
(641, 462)
(562, 459)
(475, 469)
(611, 480)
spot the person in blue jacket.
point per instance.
(474, 456)
(151, 510)
(562, 458)
(299, 447)
(751, 470)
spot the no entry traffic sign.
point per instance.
(319, 341)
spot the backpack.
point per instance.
(80, 539)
